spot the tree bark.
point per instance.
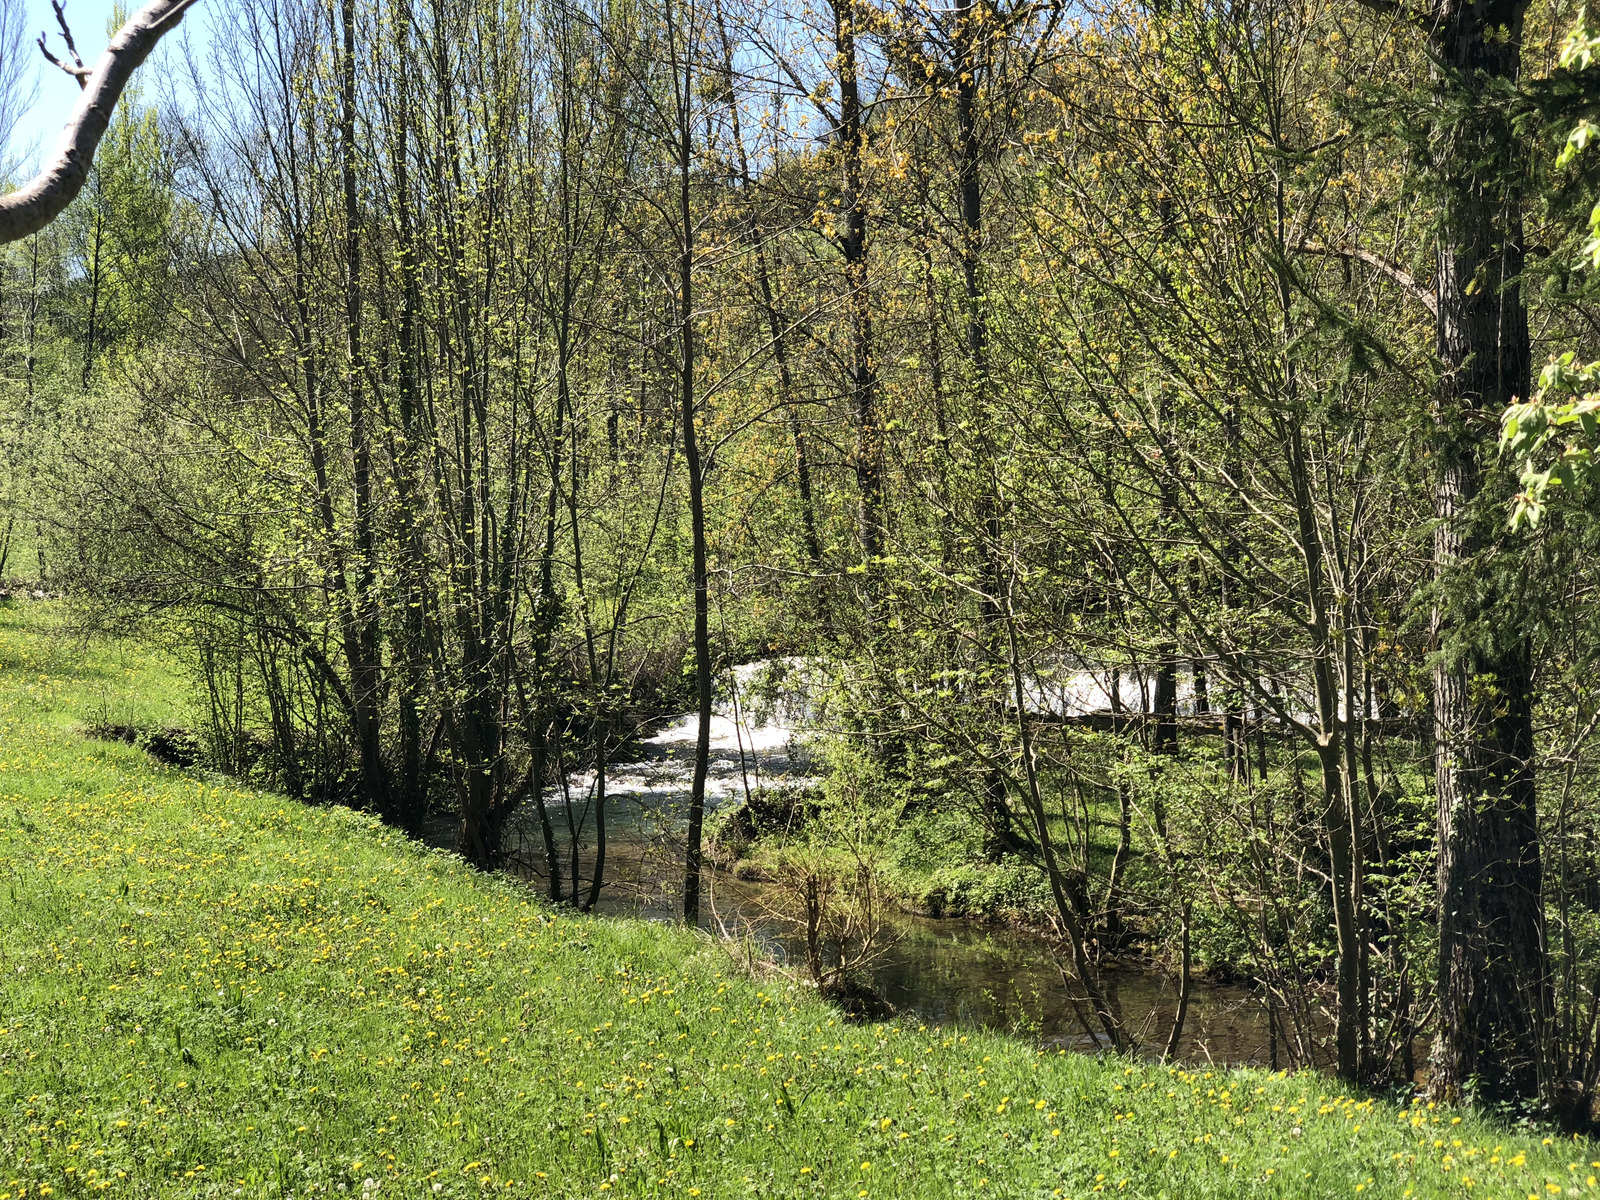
(697, 510)
(410, 788)
(863, 370)
(44, 197)
(1493, 985)
(362, 633)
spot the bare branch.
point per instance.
(80, 72)
(41, 200)
(17, 90)
(60, 9)
(1392, 271)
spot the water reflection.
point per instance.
(942, 971)
(960, 972)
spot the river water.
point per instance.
(944, 971)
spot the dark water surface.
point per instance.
(950, 971)
(955, 971)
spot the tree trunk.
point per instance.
(1344, 867)
(361, 640)
(1493, 986)
(96, 269)
(967, 66)
(697, 510)
(863, 368)
(1339, 820)
(411, 793)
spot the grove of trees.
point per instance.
(455, 382)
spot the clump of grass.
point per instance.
(210, 991)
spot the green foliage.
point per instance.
(1097, 353)
(1577, 53)
(1563, 415)
(118, 234)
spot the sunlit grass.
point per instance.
(212, 991)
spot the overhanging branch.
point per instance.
(41, 200)
(1393, 271)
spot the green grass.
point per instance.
(206, 991)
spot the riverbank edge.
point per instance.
(910, 891)
(909, 1111)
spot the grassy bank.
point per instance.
(208, 991)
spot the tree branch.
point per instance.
(80, 72)
(1398, 274)
(41, 200)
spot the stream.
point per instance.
(941, 971)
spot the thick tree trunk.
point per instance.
(1493, 987)
(967, 65)
(1164, 738)
(410, 788)
(477, 741)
